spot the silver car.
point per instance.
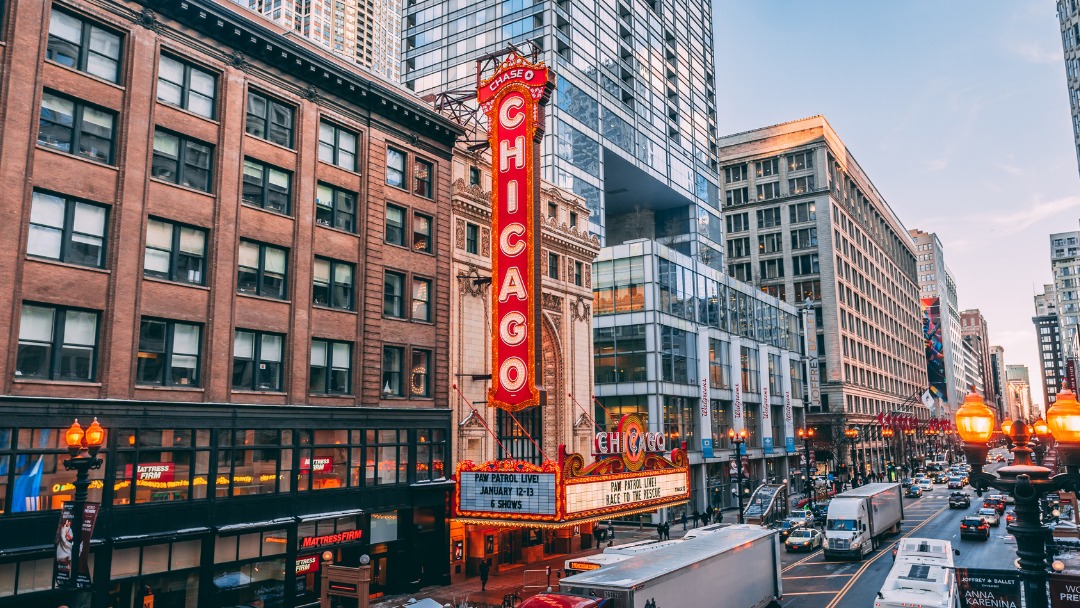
(990, 515)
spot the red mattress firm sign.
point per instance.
(513, 100)
(152, 471)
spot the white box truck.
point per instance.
(858, 519)
(683, 574)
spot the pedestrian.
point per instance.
(694, 517)
(719, 515)
(485, 570)
(610, 529)
(684, 521)
(704, 518)
(667, 530)
(660, 531)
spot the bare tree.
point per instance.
(638, 223)
(670, 231)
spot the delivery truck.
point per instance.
(859, 519)
(682, 574)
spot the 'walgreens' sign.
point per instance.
(513, 99)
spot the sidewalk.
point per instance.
(509, 579)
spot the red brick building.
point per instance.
(218, 236)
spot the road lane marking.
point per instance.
(793, 578)
(807, 593)
(801, 561)
(840, 594)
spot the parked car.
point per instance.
(959, 500)
(790, 525)
(995, 501)
(956, 482)
(926, 485)
(974, 526)
(990, 514)
(805, 539)
(913, 492)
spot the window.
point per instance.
(553, 210)
(184, 85)
(430, 454)
(395, 225)
(738, 196)
(749, 363)
(803, 212)
(262, 270)
(553, 265)
(419, 373)
(252, 461)
(579, 270)
(800, 185)
(735, 173)
(573, 219)
(741, 272)
(801, 160)
(333, 284)
(421, 233)
(337, 146)
(267, 186)
(770, 243)
(804, 239)
(331, 367)
(805, 264)
(180, 160)
(620, 354)
(771, 269)
(421, 299)
(768, 191)
(423, 175)
(168, 353)
(472, 237)
(76, 128)
(175, 252)
(269, 119)
(393, 359)
(335, 207)
(395, 168)
(719, 364)
(143, 460)
(386, 462)
(67, 230)
(768, 167)
(393, 295)
(57, 344)
(678, 360)
(738, 222)
(768, 218)
(738, 247)
(474, 176)
(257, 359)
(83, 46)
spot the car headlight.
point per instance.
(855, 545)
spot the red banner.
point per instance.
(152, 471)
(316, 465)
(513, 99)
(306, 564)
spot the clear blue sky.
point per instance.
(958, 112)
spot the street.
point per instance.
(809, 581)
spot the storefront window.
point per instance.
(255, 584)
(719, 363)
(253, 461)
(749, 364)
(384, 527)
(162, 573)
(325, 464)
(430, 454)
(797, 387)
(610, 410)
(40, 480)
(721, 422)
(161, 465)
(678, 424)
(387, 457)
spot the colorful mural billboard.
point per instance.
(935, 348)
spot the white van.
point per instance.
(921, 577)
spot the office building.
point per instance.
(234, 252)
(1065, 264)
(632, 125)
(361, 31)
(804, 222)
(975, 332)
(941, 323)
(1069, 22)
(1048, 333)
(668, 328)
(997, 373)
(1018, 387)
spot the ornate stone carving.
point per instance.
(310, 93)
(588, 276)
(485, 242)
(459, 234)
(469, 283)
(552, 302)
(237, 60)
(543, 263)
(580, 310)
(148, 19)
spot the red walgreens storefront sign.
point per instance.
(513, 99)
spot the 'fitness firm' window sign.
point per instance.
(526, 493)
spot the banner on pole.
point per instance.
(980, 588)
(65, 536)
(1064, 591)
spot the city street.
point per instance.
(809, 581)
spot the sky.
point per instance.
(957, 111)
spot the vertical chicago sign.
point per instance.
(513, 100)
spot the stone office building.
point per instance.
(233, 250)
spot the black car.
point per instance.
(905, 482)
(913, 492)
(788, 526)
(959, 500)
(821, 512)
(976, 527)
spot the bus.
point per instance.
(922, 576)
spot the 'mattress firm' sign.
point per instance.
(513, 99)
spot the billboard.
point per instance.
(513, 100)
(935, 348)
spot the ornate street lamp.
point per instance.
(737, 440)
(1026, 482)
(807, 435)
(83, 446)
(887, 434)
(852, 434)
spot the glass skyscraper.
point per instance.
(632, 126)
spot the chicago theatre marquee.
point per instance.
(521, 354)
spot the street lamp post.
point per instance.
(852, 434)
(1026, 482)
(83, 446)
(737, 440)
(910, 452)
(807, 435)
(887, 435)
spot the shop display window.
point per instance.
(253, 462)
(35, 471)
(158, 465)
(430, 454)
(255, 584)
(387, 457)
(384, 527)
(324, 459)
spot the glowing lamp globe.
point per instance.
(1063, 418)
(974, 421)
(1041, 428)
(95, 435)
(1006, 427)
(74, 435)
